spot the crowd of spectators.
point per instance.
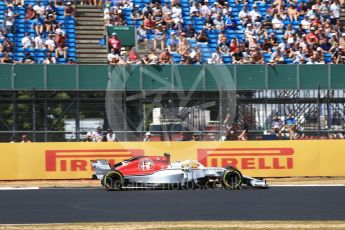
(281, 128)
(37, 32)
(185, 31)
(234, 31)
(289, 128)
(100, 136)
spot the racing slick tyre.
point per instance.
(112, 181)
(232, 179)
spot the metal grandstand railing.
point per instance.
(61, 116)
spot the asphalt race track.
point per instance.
(98, 205)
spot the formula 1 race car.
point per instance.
(159, 172)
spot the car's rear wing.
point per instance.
(101, 167)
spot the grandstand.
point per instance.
(234, 31)
(25, 18)
(65, 102)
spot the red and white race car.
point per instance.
(159, 172)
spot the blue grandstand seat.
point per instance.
(327, 57)
(212, 36)
(296, 27)
(20, 25)
(71, 35)
(227, 59)
(70, 31)
(205, 50)
(198, 26)
(199, 19)
(188, 22)
(71, 50)
(19, 49)
(71, 55)
(202, 45)
(19, 54)
(29, 2)
(20, 30)
(40, 54)
(71, 45)
(39, 60)
(228, 31)
(20, 35)
(70, 40)
(185, 14)
(288, 60)
(58, 21)
(213, 45)
(32, 32)
(287, 22)
(60, 17)
(60, 10)
(30, 49)
(138, 22)
(267, 57)
(240, 37)
(20, 22)
(60, 61)
(10, 36)
(213, 41)
(206, 55)
(130, 22)
(70, 26)
(69, 17)
(192, 43)
(279, 37)
(177, 59)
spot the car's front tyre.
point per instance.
(232, 179)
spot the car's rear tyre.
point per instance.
(232, 179)
(112, 181)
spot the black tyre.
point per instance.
(113, 181)
(232, 179)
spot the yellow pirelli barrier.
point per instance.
(23, 161)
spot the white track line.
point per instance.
(307, 185)
(277, 185)
(19, 188)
